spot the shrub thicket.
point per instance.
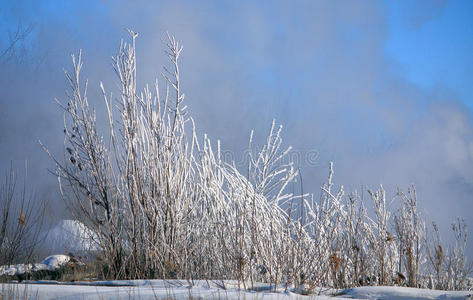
(163, 203)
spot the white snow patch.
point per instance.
(50, 263)
(53, 262)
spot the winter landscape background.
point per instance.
(382, 89)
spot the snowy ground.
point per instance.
(159, 289)
(179, 289)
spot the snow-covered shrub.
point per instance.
(409, 230)
(161, 202)
(436, 258)
(449, 266)
(457, 267)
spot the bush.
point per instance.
(163, 204)
(21, 222)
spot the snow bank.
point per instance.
(200, 289)
(50, 263)
(151, 289)
(53, 262)
(397, 293)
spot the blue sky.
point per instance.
(437, 52)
